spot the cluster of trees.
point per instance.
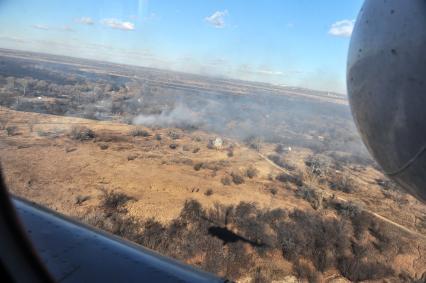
(230, 240)
(322, 127)
(79, 97)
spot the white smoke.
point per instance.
(180, 116)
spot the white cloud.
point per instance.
(117, 24)
(263, 71)
(217, 19)
(342, 28)
(12, 39)
(269, 72)
(41, 27)
(65, 28)
(85, 21)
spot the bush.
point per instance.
(198, 166)
(346, 208)
(113, 222)
(185, 161)
(82, 133)
(48, 134)
(287, 178)
(112, 200)
(318, 165)
(109, 136)
(278, 160)
(216, 165)
(305, 271)
(343, 183)
(186, 148)
(237, 178)
(192, 211)
(94, 218)
(174, 135)
(230, 152)
(312, 242)
(173, 146)
(157, 137)
(310, 236)
(254, 143)
(132, 157)
(11, 130)
(209, 192)
(226, 181)
(80, 199)
(387, 184)
(260, 276)
(251, 172)
(70, 149)
(279, 148)
(275, 158)
(314, 197)
(236, 259)
(357, 270)
(360, 219)
(395, 195)
(139, 133)
(103, 146)
(153, 235)
(123, 226)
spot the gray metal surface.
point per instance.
(76, 253)
(387, 87)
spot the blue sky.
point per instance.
(290, 42)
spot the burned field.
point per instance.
(250, 181)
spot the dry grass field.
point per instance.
(251, 181)
(72, 165)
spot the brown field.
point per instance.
(58, 170)
(251, 181)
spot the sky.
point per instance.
(287, 42)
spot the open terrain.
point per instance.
(251, 181)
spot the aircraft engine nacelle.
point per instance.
(386, 79)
